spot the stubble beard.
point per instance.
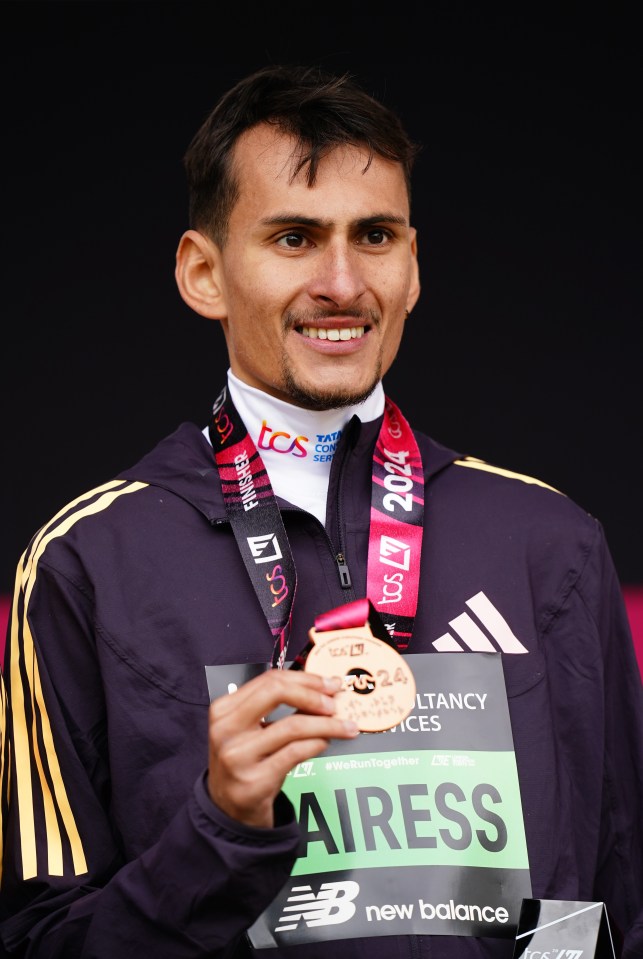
(319, 399)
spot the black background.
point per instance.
(525, 348)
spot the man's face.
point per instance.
(316, 280)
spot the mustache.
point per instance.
(295, 318)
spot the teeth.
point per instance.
(318, 333)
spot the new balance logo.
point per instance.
(394, 552)
(264, 548)
(333, 904)
(472, 638)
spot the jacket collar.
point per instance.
(183, 464)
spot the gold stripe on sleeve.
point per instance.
(22, 751)
(477, 464)
(3, 750)
(26, 740)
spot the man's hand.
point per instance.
(249, 759)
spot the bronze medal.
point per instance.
(378, 687)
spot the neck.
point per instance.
(297, 445)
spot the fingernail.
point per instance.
(332, 683)
(351, 727)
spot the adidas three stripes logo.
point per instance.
(496, 636)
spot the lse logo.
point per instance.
(264, 548)
(332, 905)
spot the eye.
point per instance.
(377, 237)
(292, 241)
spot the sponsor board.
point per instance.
(416, 830)
(565, 929)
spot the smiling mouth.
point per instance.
(332, 333)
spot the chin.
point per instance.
(318, 397)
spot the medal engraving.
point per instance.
(378, 688)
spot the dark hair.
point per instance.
(320, 110)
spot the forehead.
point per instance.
(265, 160)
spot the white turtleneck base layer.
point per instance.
(297, 445)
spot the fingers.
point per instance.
(249, 760)
(247, 771)
(260, 696)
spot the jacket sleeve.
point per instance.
(619, 870)
(66, 887)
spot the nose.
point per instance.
(338, 280)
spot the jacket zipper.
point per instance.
(340, 561)
(345, 580)
(344, 573)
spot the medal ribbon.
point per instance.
(397, 518)
(256, 520)
(395, 538)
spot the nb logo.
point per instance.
(264, 548)
(333, 904)
(394, 552)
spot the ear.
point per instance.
(198, 277)
(414, 287)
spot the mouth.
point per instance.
(332, 333)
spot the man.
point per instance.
(135, 825)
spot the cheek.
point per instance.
(391, 343)
(391, 284)
(262, 298)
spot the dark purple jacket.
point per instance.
(112, 846)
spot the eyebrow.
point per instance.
(292, 219)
